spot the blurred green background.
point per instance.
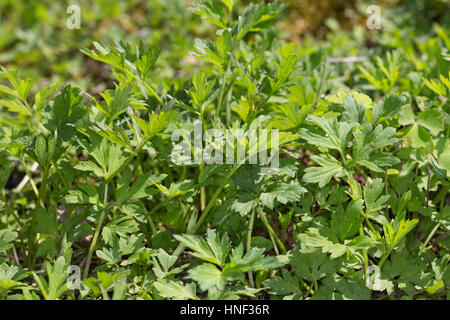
(35, 39)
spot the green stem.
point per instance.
(213, 199)
(33, 185)
(127, 162)
(322, 76)
(61, 177)
(263, 102)
(222, 92)
(147, 86)
(274, 243)
(150, 219)
(269, 228)
(308, 288)
(422, 248)
(249, 244)
(366, 217)
(365, 257)
(386, 192)
(202, 198)
(96, 234)
(383, 259)
(228, 105)
(202, 218)
(32, 235)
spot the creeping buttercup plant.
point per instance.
(93, 205)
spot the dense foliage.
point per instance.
(358, 207)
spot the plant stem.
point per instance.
(249, 244)
(365, 257)
(96, 234)
(32, 235)
(269, 228)
(416, 234)
(322, 76)
(222, 91)
(423, 246)
(228, 105)
(202, 218)
(150, 219)
(202, 198)
(127, 162)
(147, 86)
(383, 259)
(308, 288)
(274, 243)
(33, 185)
(213, 198)
(386, 192)
(366, 217)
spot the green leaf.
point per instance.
(175, 289)
(135, 62)
(228, 4)
(115, 102)
(289, 116)
(166, 260)
(255, 16)
(340, 288)
(387, 109)
(406, 115)
(285, 72)
(218, 53)
(212, 11)
(120, 288)
(10, 277)
(373, 197)
(66, 111)
(435, 86)
(418, 136)
(6, 239)
(432, 120)
(112, 255)
(336, 133)
(252, 260)
(287, 284)
(156, 124)
(57, 276)
(408, 272)
(85, 194)
(109, 156)
(346, 224)
(203, 91)
(353, 111)
(208, 276)
(444, 161)
(90, 166)
(214, 249)
(244, 204)
(138, 189)
(397, 230)
(313, 265)
(329, 167)
(283, 193)
(261, 242)
(47, 222)
(369, 140)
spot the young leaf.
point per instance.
(329, 167)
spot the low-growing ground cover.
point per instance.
(244, 167)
